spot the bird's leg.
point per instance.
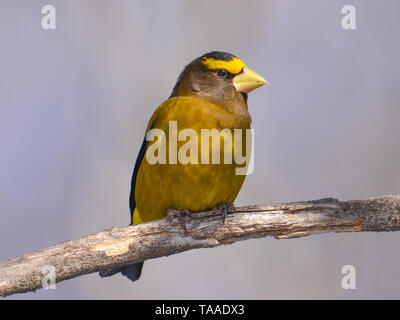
(224, 209)
(180, 214)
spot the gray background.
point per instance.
(74, 104)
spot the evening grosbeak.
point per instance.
(211, 93)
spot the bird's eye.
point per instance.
(222, 73)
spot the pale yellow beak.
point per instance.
(248, 80)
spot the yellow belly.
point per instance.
(193, 187)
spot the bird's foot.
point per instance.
(181, 215)
(224, 209)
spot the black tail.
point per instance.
(132, 272)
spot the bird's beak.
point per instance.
(248, 80)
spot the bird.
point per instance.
(210, 93)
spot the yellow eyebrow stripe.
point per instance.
(234, 66)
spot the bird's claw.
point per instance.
(181, 215)
(224, 209)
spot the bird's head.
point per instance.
(219, 77)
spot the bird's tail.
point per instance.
(132, 272)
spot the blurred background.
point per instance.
(75, 101)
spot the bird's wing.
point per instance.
(139, 159)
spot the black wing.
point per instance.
(139, 159)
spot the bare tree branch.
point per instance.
(120, 246)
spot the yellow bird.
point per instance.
(174, 176)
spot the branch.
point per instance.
(120, 246)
